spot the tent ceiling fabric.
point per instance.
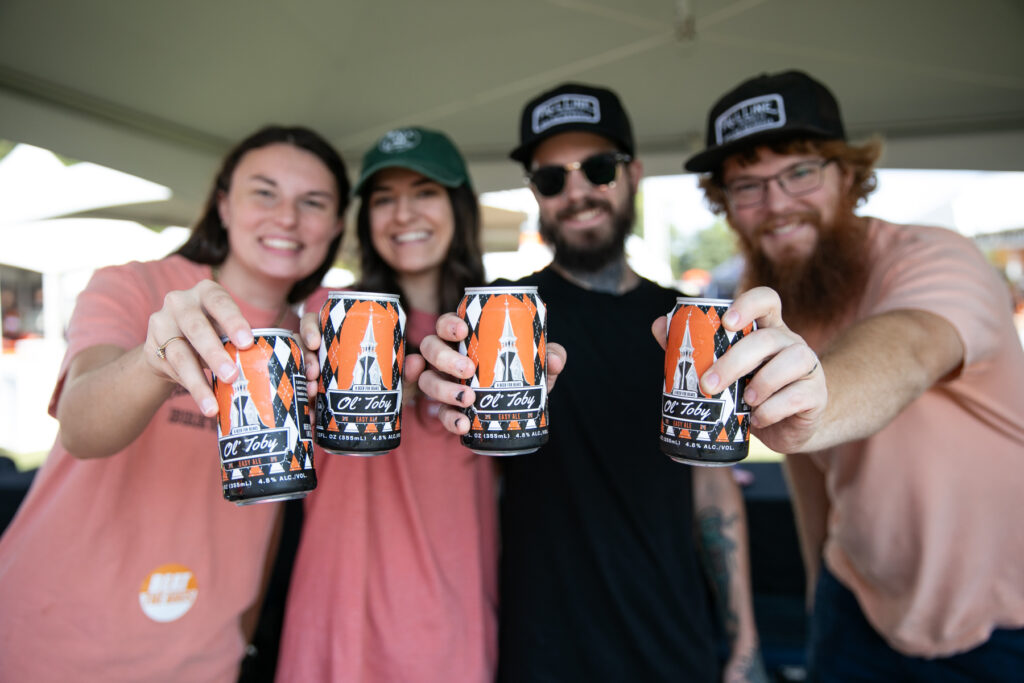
(160, 90)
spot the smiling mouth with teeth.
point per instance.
(278, 243)
(411, 236)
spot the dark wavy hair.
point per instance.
(208, 242)
(463, 265)
(860, 160)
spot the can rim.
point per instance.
(502, 290)
(693, 300)
(267, 332)
(353, 294)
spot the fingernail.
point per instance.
(750, 396)
(244, 338)
(209, 407)
(460, 422)
(458, 396)
(465, 366)
(754, 421)
(226, 370)
(710, 382)
(731, 318)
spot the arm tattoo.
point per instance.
(718, 552)
(751, 668)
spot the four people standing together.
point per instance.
(885, 364)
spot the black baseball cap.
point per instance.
(573, 107)
(765, 109)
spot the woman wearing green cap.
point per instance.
(395, 576)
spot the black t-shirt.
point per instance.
(600, 579)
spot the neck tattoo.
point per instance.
(613, 278)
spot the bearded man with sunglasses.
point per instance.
(600, 577)
(603, 537)
(911, 527)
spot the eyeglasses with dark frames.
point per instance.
(599, 169)
(797, 180)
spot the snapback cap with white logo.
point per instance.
(766, 109)
(573, 107)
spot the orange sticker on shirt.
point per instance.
(168, 592)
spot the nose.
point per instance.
(287, 215)
(576, 185)
(403, 209)
(776, 199)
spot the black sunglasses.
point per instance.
(599, 169)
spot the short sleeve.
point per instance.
(939, 271)
(114, 308)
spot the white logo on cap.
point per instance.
(566, 109)
(750, 116)
(399, 140)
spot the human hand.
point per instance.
(443, 366)
(311, 337)
(787, 392)
(745, 665)
(183, 338)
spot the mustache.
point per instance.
(770, 224)
(584, 205)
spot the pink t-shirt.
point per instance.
(132, 567)
(395, 577)
(926, 514)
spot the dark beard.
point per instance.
(595, 254)
(821, 289)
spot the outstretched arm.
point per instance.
(878, 367)
(110, 394)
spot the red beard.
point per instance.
(821, 288)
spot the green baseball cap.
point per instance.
(425, 151)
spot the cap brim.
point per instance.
(524, 153)
(711, 159)
(435, 173)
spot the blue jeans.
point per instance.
(844, 647)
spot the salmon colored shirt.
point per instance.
(132, 567)
(926, 527)
(395, 577)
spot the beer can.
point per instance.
(508, 343)
(362, 351)
(697, 428)
(263, 422)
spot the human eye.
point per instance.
(379, 200)
(428, 191)
(802, 171)
(744, 187)
(315, 203)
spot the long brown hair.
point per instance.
(208, 242)
(463, 265)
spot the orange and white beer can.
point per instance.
(508, 343)
(697, 428)
(263, 422)
(362, 351)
